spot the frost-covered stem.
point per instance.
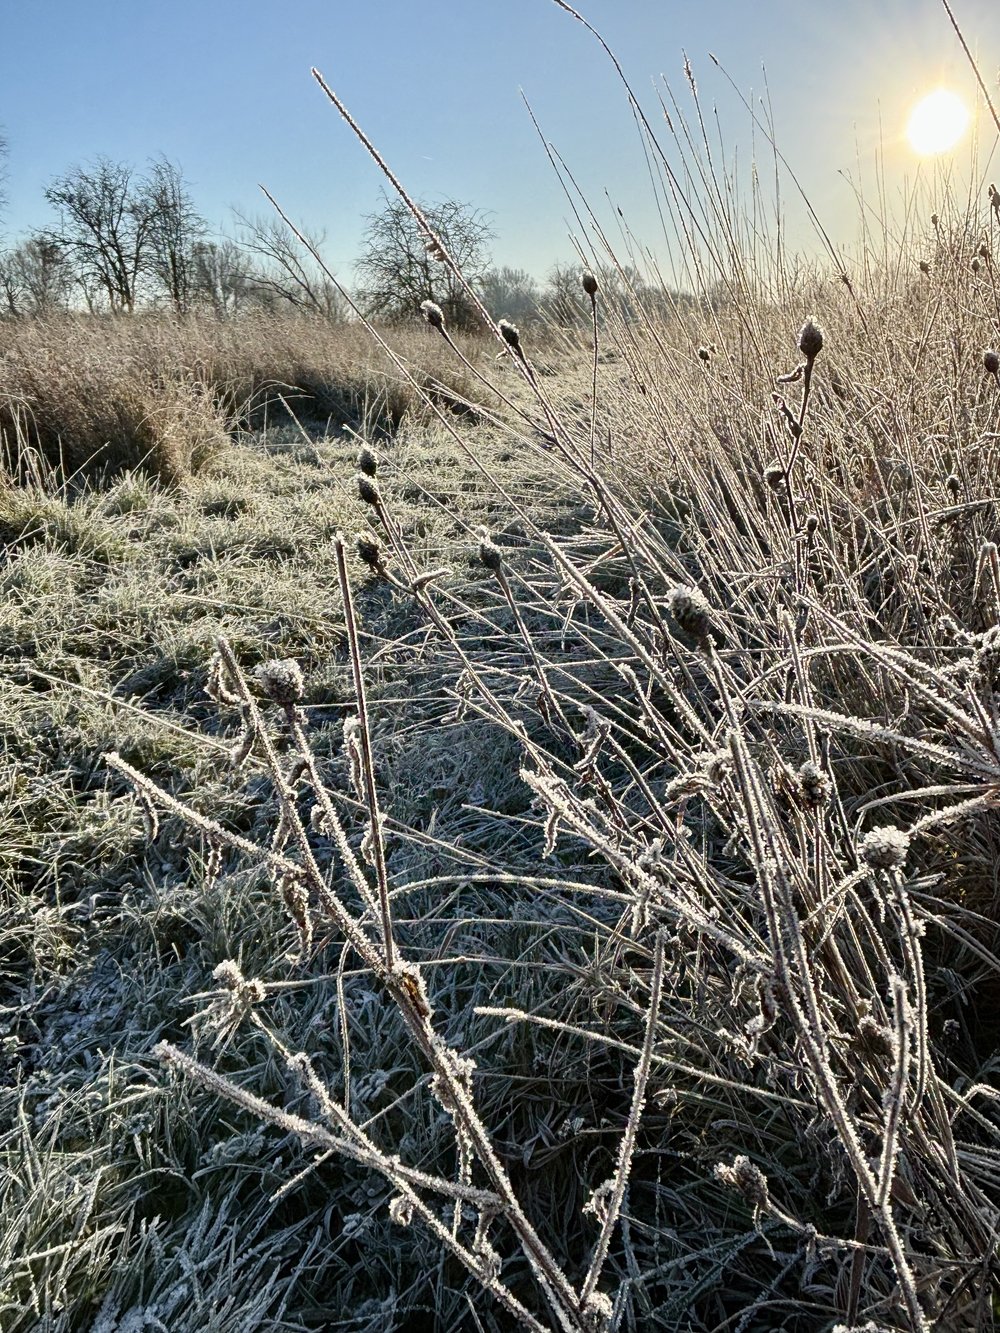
(593, 385)
(367, 759)
(281, 865)
(895, 1096)
(631, 1128)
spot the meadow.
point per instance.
(500, 832)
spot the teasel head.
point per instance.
(368, 490)
(589, 283)
(810, 339)
(367, 462)
(433, 314)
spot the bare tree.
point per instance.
(511, 293)
(223, 276)
(287, 271)
(105, 225)
(399, 268)
(175, 229)
(35, 278)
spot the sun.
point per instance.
(937, 122)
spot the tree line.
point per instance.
(124, 239)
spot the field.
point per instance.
(571, 906)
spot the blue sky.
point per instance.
(223, 88)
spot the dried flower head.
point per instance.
(885, 848)
(991, 363)
(935, 221)
(367, 462)
(370, 552)
(874, 1038)
(975, 265)
(401, 1210)
(368, 491)
(597, 1312)
(812, 785)
(704, 354)
(810, 339)
(924, 266)
(589, 283)
(690, 608)
(433, 314)
(952, 485)
(281, 681)
(746, 1178)
(774, 476)
(511, 334)
(984, 251)
(490, 554)
(812, 523)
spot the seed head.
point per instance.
(994, 195)
(367, 462)
(491, 555)
(597, 1312)
(704, 354)
(748, 1179)
(281, 681)
(935, 221)
(370, 552)
(401, 1210)
(975, 265)
(813, 786)
(368, 491)
(690, 608)
(952, 485)
(433, 314)
(511, 334)
(810, 339)
(924, 266)
(991, 363)
(885, 848)
(589, 283)
(812, 523)
(984, 251)
(774, 476)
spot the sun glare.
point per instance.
(937, 122)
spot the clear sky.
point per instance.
(223, 88)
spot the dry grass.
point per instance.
(93, 396)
